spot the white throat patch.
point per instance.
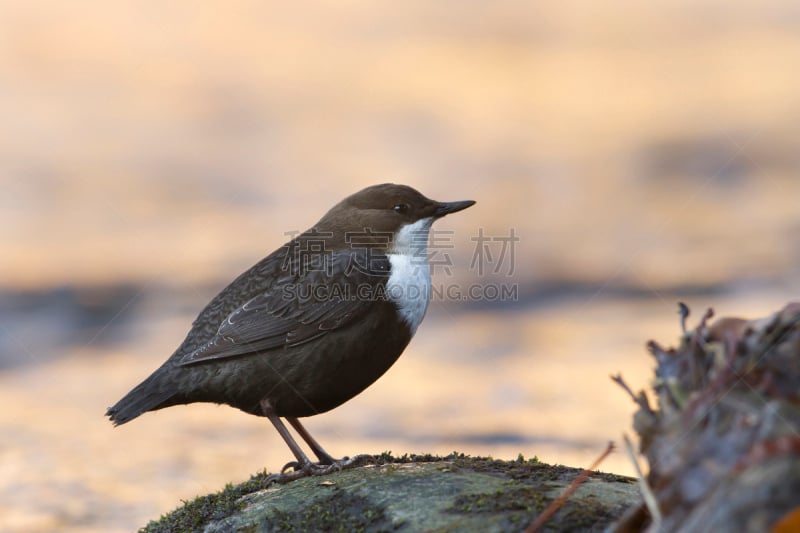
(409, 284)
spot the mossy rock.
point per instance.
(453, 493)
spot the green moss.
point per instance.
(516, 505)
(531, 469)
(339, 512)
(584, 515)
(526, 499)
(524, 504)
(386, 458)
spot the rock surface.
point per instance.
(453, 493)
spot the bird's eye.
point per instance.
(401, 208)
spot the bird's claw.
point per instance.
(294, 465)
(304, 469)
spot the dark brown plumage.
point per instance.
(311, 325)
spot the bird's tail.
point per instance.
(151, 394)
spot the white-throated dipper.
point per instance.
(311, 325)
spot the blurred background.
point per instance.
(641, 154)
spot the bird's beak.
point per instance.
(445, 208)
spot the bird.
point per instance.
(311, 325)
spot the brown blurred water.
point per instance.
(643, 154)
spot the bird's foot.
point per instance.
(300, 470)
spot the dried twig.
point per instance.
(647, 493)
(639, 399)
(556, 504)
(683, 310)
(621, 382)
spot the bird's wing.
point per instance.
(301, 306)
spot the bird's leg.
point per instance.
(303, 466)
(302, 460)
(322, 455)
